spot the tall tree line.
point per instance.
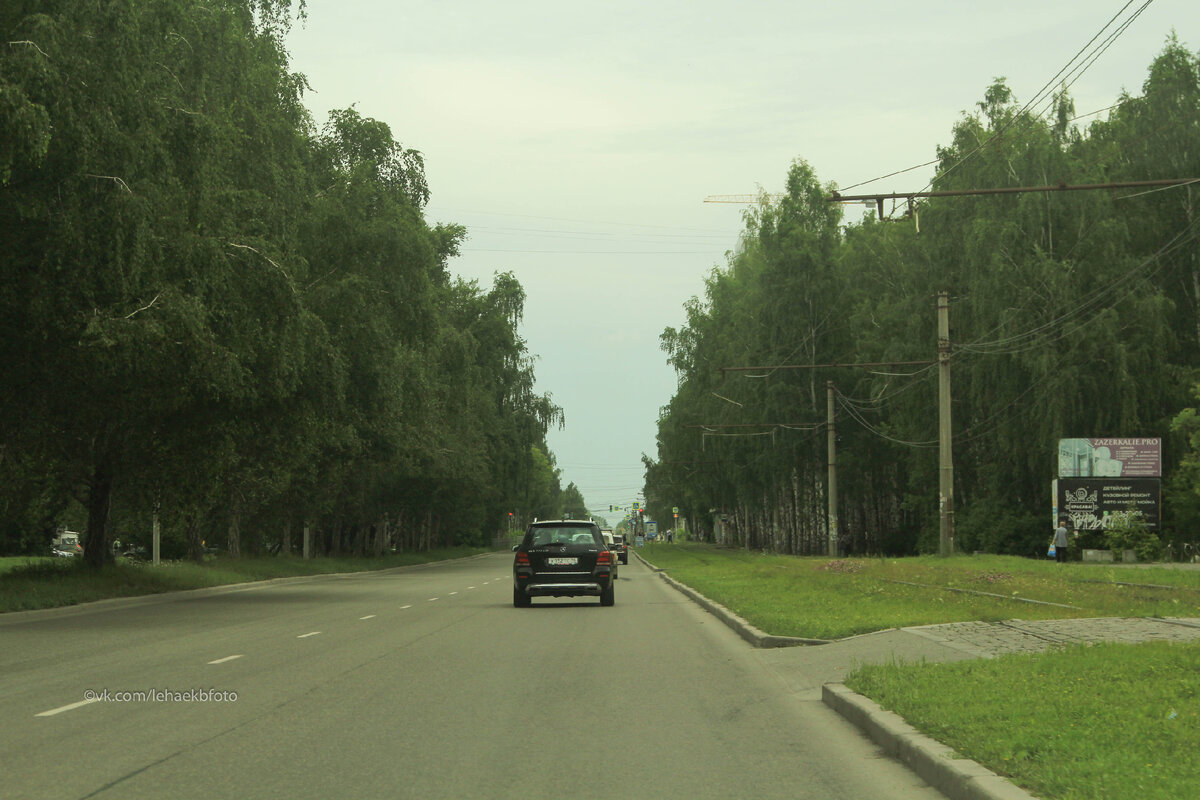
(216, 312)
(1072, 314)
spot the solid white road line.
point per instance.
(226, 658)
(68, 707)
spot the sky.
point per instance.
(577, 143)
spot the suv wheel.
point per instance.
(522, 600)
(608, 596)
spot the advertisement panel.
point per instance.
(1091, 502)
(1110, 458)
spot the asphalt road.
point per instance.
(421, 682)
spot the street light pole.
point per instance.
(832, 439)
(945, 446)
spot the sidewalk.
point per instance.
(814, 669)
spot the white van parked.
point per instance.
(66, 545)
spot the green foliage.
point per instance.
(1127, 530)
(218, 313)
(1072, 313)
(989, 526)
(573, 504)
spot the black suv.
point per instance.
(563, 558)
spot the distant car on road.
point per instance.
(610, 541)
(563, 558)
(622, 548)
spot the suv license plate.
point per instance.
(562, 562)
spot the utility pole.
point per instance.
(945, 448)
(833, 517)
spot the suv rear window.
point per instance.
(565, 534)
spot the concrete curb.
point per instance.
(740, 626)
(938, 765)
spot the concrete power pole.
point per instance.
(833, 517)
(945, 435)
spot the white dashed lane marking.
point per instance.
(68, 707)
(306, 635)
(226, 658)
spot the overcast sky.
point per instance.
(577, 142)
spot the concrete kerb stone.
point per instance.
(937, 764)
(743, 628)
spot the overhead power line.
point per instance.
(838, 197)
(712, 425)
(1073, 73)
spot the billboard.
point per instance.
(1110, 458)
(1091, 502)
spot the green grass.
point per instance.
(823, 598)
(1108, 721)
(13, 562)
(50, 583)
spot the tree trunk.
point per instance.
(96, 551)
(381, 530)
(335, 538)
(194, 540)
(235, 528)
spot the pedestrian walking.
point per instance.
(1061, 542)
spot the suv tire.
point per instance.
(608, 596)
(520, 599)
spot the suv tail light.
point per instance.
(522, 558)
(604, 557)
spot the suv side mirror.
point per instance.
(516, 547)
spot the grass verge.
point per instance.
(50, 583)
(823, 598)
(1107, 721)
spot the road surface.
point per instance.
(415, 683)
